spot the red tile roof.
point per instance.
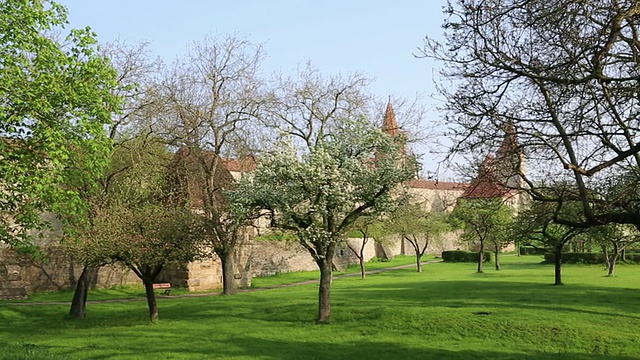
(485, 185)
(244, 164)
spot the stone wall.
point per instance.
(21, 275)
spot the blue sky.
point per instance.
(375, 37)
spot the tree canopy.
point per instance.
(55, 100)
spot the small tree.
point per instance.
(368, 229)
(139, 222)
(136, 86)
(483, 220)
(418, 227)
(535, 226)
(613, 239)
(146, 238)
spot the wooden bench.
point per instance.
(165, 286)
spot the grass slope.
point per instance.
(446, 312)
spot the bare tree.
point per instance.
(562, 75)
(211, 96)
(418, 227)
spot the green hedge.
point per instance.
(529, 250)
(464, 256)
(576, 258)
(633, 258)
(589, 258)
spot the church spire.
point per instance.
(390, 125)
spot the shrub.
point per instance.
(576, 258)
(464, 256)
(631, 258)
(530, 250)
(590, 258)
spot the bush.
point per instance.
(631, 258)
(576, 258)
(529, 250)
(464, 256)
(590, 258)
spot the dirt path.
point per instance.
(217, 293)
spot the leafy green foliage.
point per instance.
(136, 223)
(535, 225)
(464, 256)
(482, 219)
(56, 100)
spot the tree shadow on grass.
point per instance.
(259, 348)
(572, 298)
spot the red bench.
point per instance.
(165, 286)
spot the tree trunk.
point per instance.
(151, 299)
(558, 266)
(324, 292)
(612, 265)
(228, 273)
(419, 262)
(497, 257)
(605, 253)
(480, 256)
(614, 259)
(79, 302)
(363, 270)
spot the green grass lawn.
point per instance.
(446, 312)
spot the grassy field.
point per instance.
(446, 312)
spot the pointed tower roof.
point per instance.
(509, 144)
(390, 125)
(485, 186)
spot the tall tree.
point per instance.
(418, 227)
(211, 98)
(563, 74)
(324, 174)
(55, 102)
(483, 221)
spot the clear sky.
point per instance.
(375, 37)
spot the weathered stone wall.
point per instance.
(21, 275)
(204, 275)
(273, 257)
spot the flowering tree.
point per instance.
(319, 189)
